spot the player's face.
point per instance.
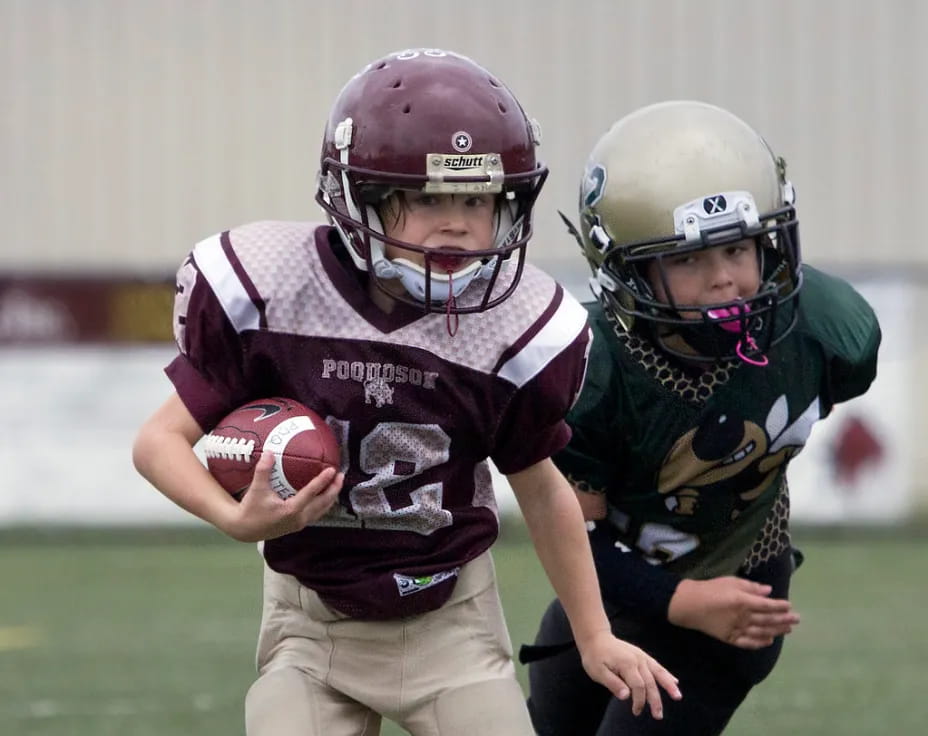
(711, 276)
(464, 222)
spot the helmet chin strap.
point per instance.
(756, 357)
(695, 342)
(752, 354)
(445, 287)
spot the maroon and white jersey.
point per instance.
(276, 308)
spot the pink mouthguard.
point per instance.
(726, 313)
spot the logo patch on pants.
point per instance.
(407, 585)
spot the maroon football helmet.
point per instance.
(434, 121)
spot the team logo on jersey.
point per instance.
(377, 377)
(407, 584)
(729, 451)
(378, 392)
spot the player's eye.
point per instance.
(479, 200)
(423, 200)
(685, 259)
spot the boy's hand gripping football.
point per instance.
(262, 514)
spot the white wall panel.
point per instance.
(131, 129)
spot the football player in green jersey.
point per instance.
(715, 352)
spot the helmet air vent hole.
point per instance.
(502, 107)
(494, 83)
(397, 83)
(407, 108)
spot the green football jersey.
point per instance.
(693, 463)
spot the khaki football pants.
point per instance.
(448, 672)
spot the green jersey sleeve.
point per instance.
(841, 321)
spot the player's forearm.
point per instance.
(555, 523)
(168, 462)
(569, 566)
(626, 579)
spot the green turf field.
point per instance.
(152, 634)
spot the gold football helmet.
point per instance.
(681, 176)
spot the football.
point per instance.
(302, 444)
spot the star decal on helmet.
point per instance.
(461, 141)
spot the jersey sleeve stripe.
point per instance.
(533, 330)
(559, 331)
(215, 260)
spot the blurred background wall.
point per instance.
(131, 130)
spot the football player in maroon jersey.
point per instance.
(715, 352)
(413, 324)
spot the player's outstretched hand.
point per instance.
(262, 514)
(733, 610)
(628, 672)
